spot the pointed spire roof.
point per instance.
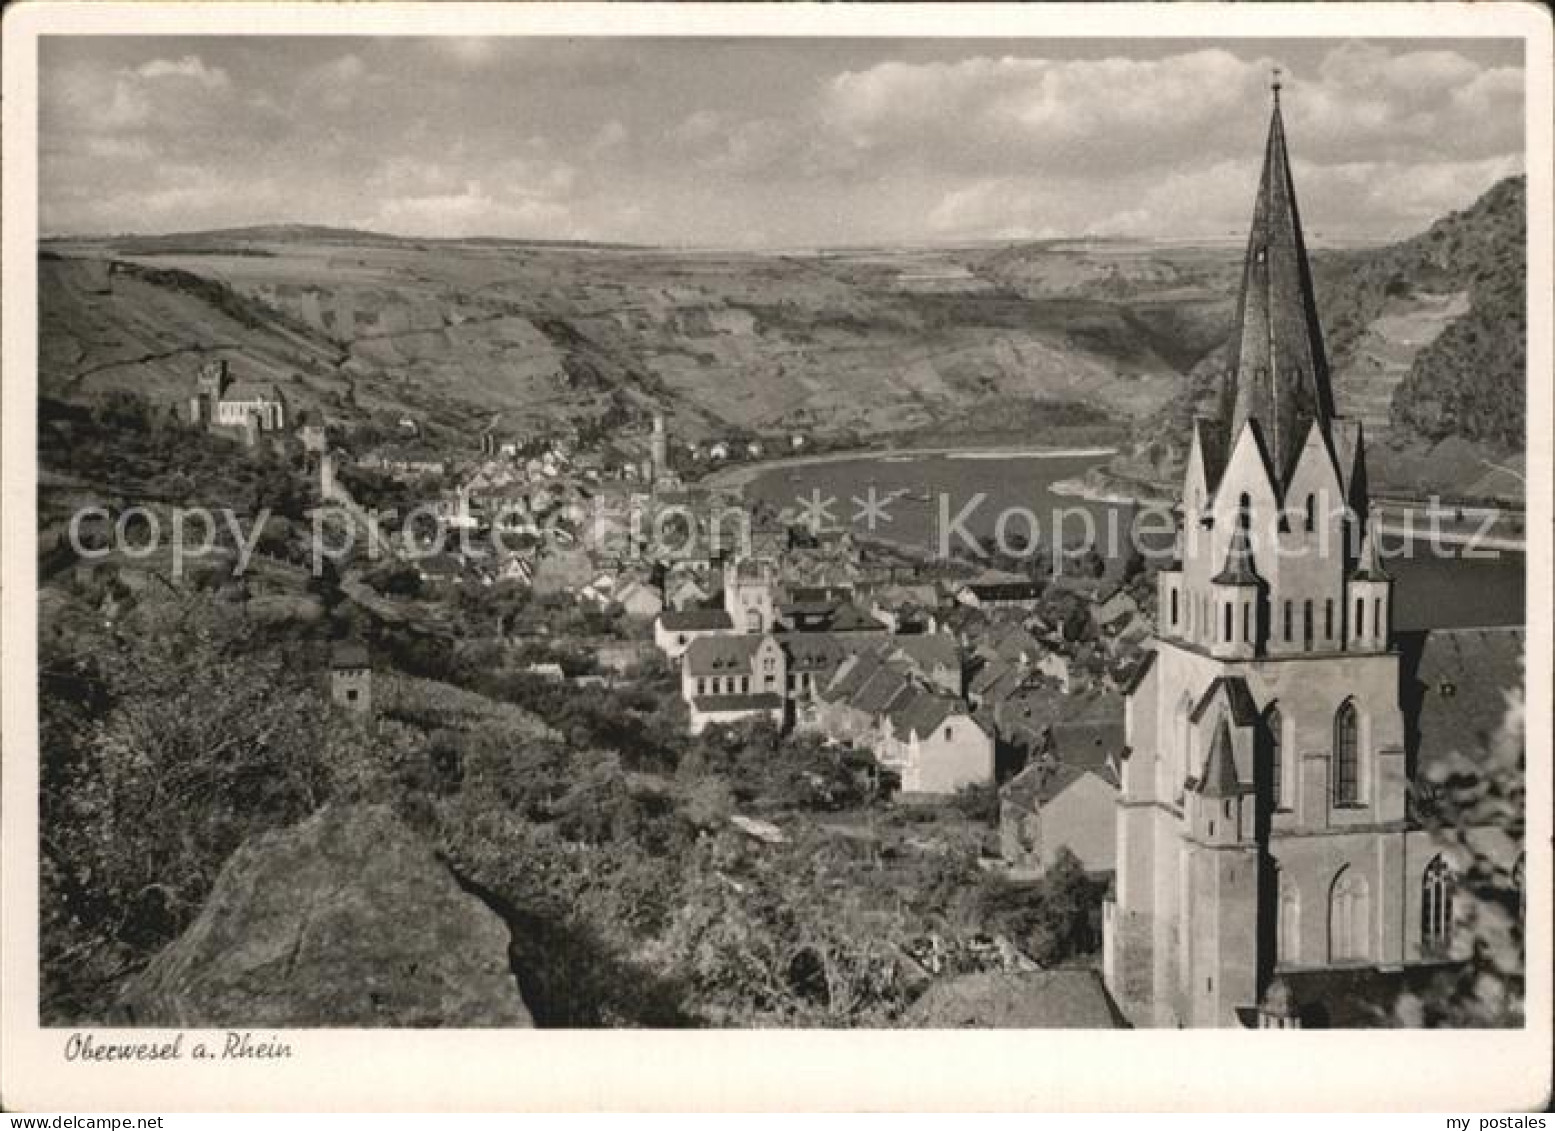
(1368, 565)
(1239, 568)
(1220, 776)
(1281, 373)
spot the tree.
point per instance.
(1053, 920)
(163, 748)
(1477, 792)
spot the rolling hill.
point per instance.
(1427, 346)
(875, 341)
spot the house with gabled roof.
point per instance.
(929, 738)
(933, 743)
(1051, 806)
(640, 600)
(733, 676)
(675, 629)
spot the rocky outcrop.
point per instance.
(347, 919)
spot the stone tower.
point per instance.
(211, 382)
(327, 485)
(749, 586)
(1260, 823)
(351, 677)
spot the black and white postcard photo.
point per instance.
(787, 557)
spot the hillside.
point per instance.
(1427, 346)
(873, 341)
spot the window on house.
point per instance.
(1306, 625)
(701, 686)
(1347, 759)
(1328, 619)
(1275, 724)
(1229, 637)
(1311, 515)
(745, 684)
(1436, 907)
(1376, 617)
(1174, 608)
(1360, 616)
(1287, 622)
(949, 733)
(1247, 623)
(350, 695)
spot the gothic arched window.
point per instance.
(1349, 917)
(1288, 925)
(1347, 755)
(1275, 723)
(1436, 906)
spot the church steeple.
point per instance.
(1281, 374)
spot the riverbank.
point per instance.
(1098, 485)
(1479, 527)
(738, 476)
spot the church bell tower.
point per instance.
(1265, 734)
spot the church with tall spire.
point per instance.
(1261, 821)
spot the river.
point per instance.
(914, 494)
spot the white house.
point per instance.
(675, 629)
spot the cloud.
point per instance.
(616, 141)
(473, 211)
(190, 68)
(988, 116)
(611, 135)
(338, 85)
(473, 52)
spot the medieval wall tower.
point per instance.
(1261, 820)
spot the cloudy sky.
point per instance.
(764, 142)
